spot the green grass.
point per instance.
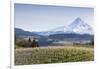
(17, 47)
(26, 56)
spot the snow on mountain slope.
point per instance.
(77, 26)
(80, 27)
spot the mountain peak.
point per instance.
(78, 19)
(79, 26)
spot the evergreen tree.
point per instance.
(92, 41)
(34, 43)
(29, 40)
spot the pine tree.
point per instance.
(92, 41)
(29, 40)
(34, 43)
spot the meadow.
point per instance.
(55, 54)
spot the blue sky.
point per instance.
(32, 17)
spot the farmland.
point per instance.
(55, 54)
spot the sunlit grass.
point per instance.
(59, 54)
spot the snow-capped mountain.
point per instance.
(78, 26)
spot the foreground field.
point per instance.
(41, 55)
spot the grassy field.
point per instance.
(41, 55)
